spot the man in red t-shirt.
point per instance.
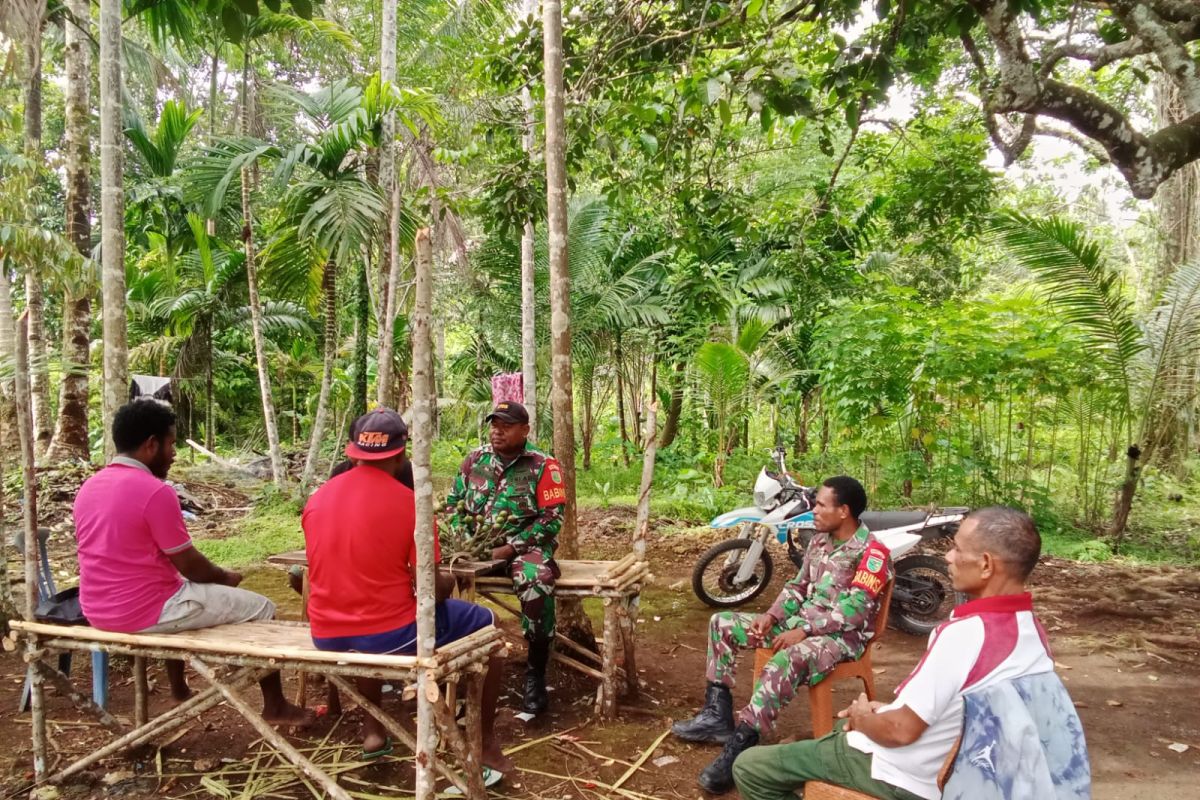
(359, 532)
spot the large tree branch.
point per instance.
(1167, 44)
(1144, 161)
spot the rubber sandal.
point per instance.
(490, 778)
(386, 750)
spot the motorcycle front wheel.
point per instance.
(714, 577)
(923, 596)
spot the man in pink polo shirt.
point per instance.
(895, 750)
(138, 569)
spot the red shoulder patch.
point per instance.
(550, 489)
(871, 575)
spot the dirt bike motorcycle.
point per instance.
(737, 570)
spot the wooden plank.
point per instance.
(262, 639)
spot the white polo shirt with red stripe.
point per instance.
(985, 642)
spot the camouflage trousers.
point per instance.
(533, 574)
(806, 663)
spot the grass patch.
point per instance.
(273, 527)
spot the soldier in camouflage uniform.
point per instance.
(512, 494)
(823, 616)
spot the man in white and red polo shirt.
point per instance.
(895, 750)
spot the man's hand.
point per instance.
(788, 638)
(504, 552)
(761, 626)
(860, 707)
(232, 578)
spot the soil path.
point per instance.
(1126, 640)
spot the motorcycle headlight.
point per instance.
(760, 499)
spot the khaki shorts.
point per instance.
(204, 605)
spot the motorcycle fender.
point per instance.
(731, 519)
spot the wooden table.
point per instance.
(617, 583)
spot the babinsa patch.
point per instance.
(872, 572)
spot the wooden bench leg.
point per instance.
(628, 617)
(608, 652)
(302, 687)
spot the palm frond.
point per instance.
(1080, 285)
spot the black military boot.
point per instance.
(536, 697)
(714, 723)
(717, 777)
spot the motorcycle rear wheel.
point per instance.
(931, 596)
(712, 578)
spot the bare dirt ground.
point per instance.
(1125, 639)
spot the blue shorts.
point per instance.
(454, 619)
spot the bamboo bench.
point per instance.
(253, 649)
(617, 583)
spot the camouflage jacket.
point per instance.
(837, 590)
(520, 503)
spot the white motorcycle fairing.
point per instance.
(898, 542)
(731, 519)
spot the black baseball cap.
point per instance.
(509, 411)
(377, 435)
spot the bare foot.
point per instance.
(494, 757)
(180, 693)
(374, 744)
(288, 714)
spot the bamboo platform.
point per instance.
(250, 650)
(619, 585)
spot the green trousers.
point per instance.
(775, 772)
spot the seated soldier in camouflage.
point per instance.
(823, 616)
(512, 493)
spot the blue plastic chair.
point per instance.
(46, 589)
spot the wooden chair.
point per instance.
(820, 697)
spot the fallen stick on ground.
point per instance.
(642, 760)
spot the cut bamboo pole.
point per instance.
(37, 706)
(617, 568)
(608, 705)
(268, 733)
(422, 440)
(63, 685)
(393, 727)
(472, 769)
(578, 666)
(180, 715)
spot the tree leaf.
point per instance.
(247, 7)
(712, 91)
(725, 111)
(303, 8)
(231, 20)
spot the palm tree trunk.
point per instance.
(112, 220)
(571, 619)
(329, 286)
(210, 416)
(70, 440)
(385, 378)
(560, 288)
(620, 367)
(362, 328)
(278, 472)
(422, 450)
(675, 409)
(34, 299)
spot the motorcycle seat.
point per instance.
(882, 520)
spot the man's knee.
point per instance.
(751, 764)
